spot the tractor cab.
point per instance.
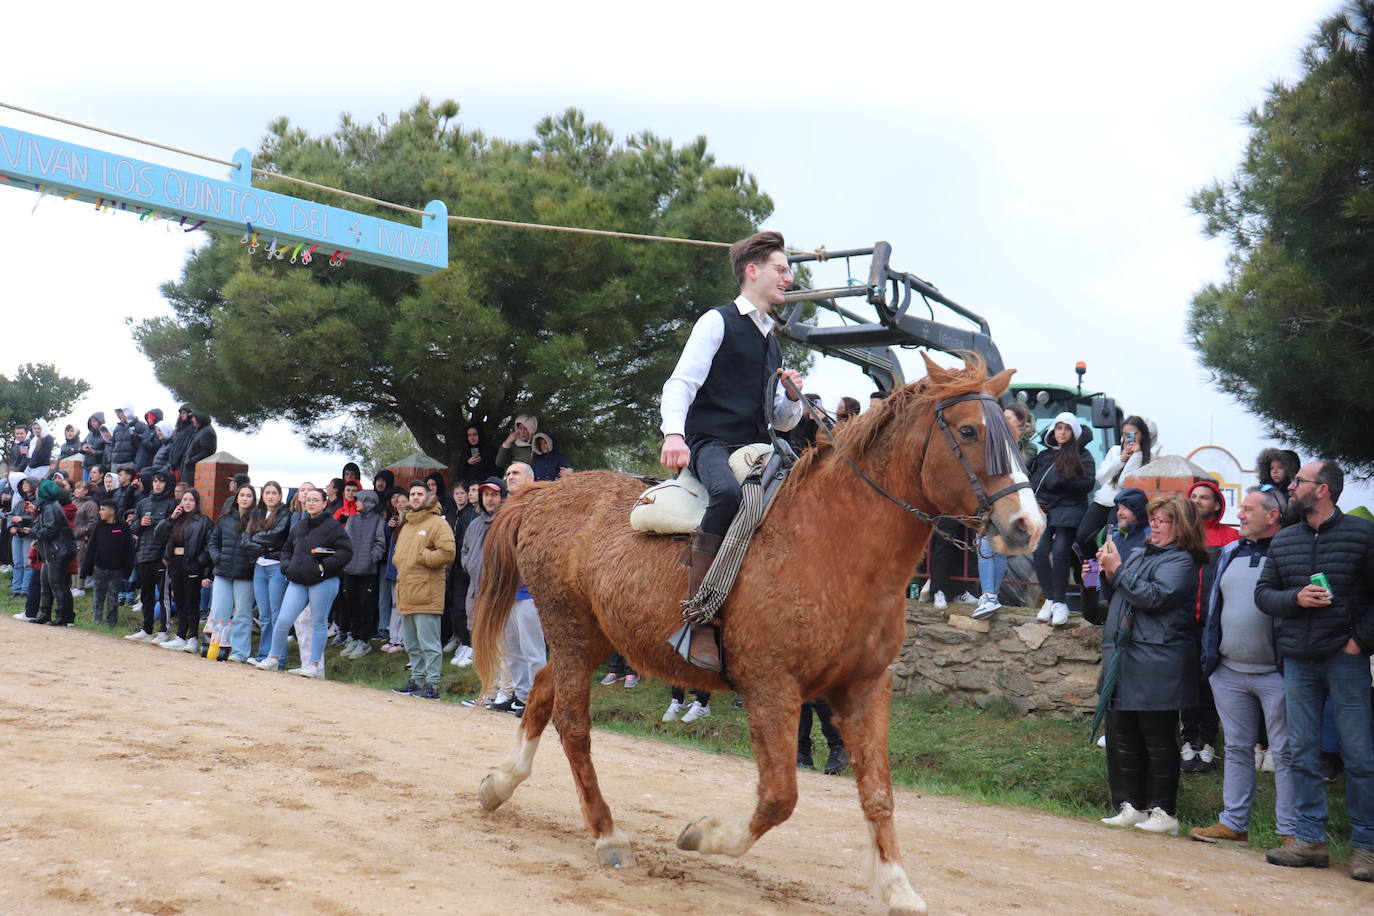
(1095, 411)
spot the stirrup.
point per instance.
(681, 641)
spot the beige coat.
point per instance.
(424, 546)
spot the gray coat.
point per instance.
(1159, 667)
(367, 533)
(471, 558)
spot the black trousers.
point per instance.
(620, 668)
(455, 621)
(701, 696)
(57, 589)
(1142, 759)
(946, 560)
(1053, 559)
(711, 465)
(186, 593)
(149, 584)
(822, 710)
(359, 618)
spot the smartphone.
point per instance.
(321, 551)
(1128, 439)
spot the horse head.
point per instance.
(970, 462)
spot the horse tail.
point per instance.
(496, 592)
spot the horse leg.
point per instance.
(498, 785)
(863, 710)
(773, 732)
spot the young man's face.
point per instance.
(125, 478)
(351, 490)
(765, 283)
(107, 514)
(1205, 502)
(159, 484)
(418, 496)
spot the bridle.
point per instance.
(985, 502)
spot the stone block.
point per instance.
(1017, 683)
(1033, 634)
(1014, 646)
(974, 679)
(963, 622)
(947, 636)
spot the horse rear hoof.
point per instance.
(487, 795)
(615, 852)
(690, 837)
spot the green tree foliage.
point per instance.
(37, 392)
(378, 443)
(580, 331)
(1290, 332)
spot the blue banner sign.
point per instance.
(275, 221)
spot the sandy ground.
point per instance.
(144, 781)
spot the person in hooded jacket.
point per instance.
(162, 458)
(394, 504)
(434, 483)
(313, 557)
(231, 596)
(71, 443)
(1062, 476)
(204, 444)
(479, 462)
(185, 536)
(1277, 467)
(1137, 448)
(108, 561)
(490, 494)
(1152, 595)
(1128, 529)
(367, 532)
(87, 515)
(23, 509)
(263, 539)
(548, 462)
(182, 434)
(40, 453)
(519, 444)
(150, 443)
(127, 437)
(424, 547)
(52, 533)
(149, 513)
(93, 446)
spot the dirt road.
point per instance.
(138, 780)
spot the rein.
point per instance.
(985, 502)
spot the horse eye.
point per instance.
(969, 433)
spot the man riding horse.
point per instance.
(713, 403)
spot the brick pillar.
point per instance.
(1168, 475)
(214, 481)
(72, 467)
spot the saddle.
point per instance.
(677, 506)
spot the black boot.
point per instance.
(838, 760)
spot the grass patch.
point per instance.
(990, 755)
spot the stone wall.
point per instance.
(1036, 667)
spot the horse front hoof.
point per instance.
(908, 908)
(615, 852)
(690, 837)
(487, 796)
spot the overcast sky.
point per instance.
(1034, 161)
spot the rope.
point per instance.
(513, 224)
(720, 578)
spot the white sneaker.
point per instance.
(1046, 611)
(986, 606)
(267, 664)
(308, 670)
(349, 647)
(463, 657)
(966, 598)
(1159, 821)
(78, 592)
(1186, 753)
(1102, 742)
(938, 599)
(332, 631)
(362, 649)
(1207, 755)
(159, 638)
(174, 643)
(138, 606)
(22, 615)
(451, 646)
(1060, 615)
(696, 711)
(675, 709)
(140, 636)
(1128, 817)
(192, 644)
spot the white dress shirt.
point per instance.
(695, 364)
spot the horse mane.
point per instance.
(872, 429)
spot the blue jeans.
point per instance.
(233, 596)
(269, 587)
(1305, 682)
(22, 575)
(384, 605)
(319, 596)
(992, 567)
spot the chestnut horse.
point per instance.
(818, 608)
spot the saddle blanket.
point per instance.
(676, 506)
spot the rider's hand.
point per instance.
(675, 454)
(795, 377)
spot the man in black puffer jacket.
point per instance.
(129, 434)
(182, 434)
(203, 444)
(148, 514)
(1326, 639)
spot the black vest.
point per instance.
(729, 404)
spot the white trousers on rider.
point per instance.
(524, 646)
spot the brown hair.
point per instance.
(1187, 528)
(263, 517)
(754, 250)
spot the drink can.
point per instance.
(1320, 580)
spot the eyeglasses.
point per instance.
(782, 271)
(1157, 521)
(1298, 481)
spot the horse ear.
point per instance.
(1000, 382)
(935, 372)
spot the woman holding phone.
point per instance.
(1122, 461)
(186, 536)
(313, 557)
